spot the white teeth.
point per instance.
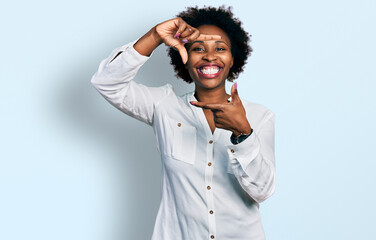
(209, 70)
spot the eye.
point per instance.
(198, 49)
(219, 49)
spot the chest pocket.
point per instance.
(183, 141)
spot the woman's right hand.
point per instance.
(176, 32)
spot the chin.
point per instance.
(210, 83)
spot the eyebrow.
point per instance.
(215, 42)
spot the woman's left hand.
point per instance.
(231, 115)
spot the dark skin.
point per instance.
(207, 45)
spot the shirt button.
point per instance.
(211, 141)
(209, 164)
(208, 187)
(179, 124)
(212, 236)
(211, 212)
(232, 150)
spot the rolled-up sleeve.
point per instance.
(253, 163)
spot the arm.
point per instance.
(114, 82)
(115, 74)
(252, 161)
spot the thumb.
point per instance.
(183, 53)
(234, 92)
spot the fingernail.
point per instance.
(177, 35)
(191, 102)
(236, 85)
(184, 40)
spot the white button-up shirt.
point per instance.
(211, 189)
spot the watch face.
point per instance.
(240, 138)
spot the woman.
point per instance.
(217, 150)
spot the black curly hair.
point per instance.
(223, 18)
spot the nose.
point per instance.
(210, 56)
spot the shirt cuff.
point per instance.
(245, 151)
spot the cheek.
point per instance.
(230, 62)
(191, 63)
(189, 67)
(191, 71)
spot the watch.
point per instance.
(240, 138)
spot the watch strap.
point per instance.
(240, 138)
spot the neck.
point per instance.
(216, 95)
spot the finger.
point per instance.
(214, 117)
(183, 52)
(193, 36)
(234, 92)
(187, 32)
(219, 114)
(211, 106)
(219, 125)
(205, 37)
(182, 25)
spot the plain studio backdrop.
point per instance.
(73, 167)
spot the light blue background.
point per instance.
(73, 167)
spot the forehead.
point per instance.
(214, 30)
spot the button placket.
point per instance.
(210, 139)
(209, 170)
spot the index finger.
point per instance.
(211, 106)
(205, 37)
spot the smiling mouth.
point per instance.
(209, 71)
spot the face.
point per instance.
(209, 62)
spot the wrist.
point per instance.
(148, 43)
(155, 35)
(236, 139)
(244, 130)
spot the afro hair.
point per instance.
(223, 18)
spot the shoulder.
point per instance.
(257, 112)
(171, 99)
(187, 96)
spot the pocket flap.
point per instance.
(184, 142)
